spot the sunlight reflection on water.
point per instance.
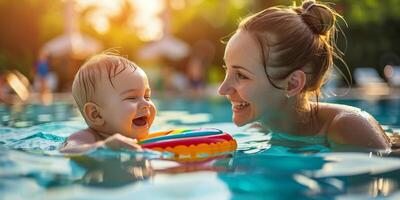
(266, 165)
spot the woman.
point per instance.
(276, 61)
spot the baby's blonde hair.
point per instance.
(90, 73)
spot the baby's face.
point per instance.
(126, 108)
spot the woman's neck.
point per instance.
(295, 121)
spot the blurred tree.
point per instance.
(213, 21)
(372, 33)
(27, 24)
(120, 34)
(19, 38)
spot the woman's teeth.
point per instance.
(240, 105)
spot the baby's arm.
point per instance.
(84, 140)
(79, 142)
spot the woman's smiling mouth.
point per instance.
(239, 105)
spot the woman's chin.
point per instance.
(243, 116)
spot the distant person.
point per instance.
(202, 54)
(196, 76)
(42, 74)
(277, 60)
(113, 96)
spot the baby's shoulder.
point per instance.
(84, 136)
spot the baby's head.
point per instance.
(113, 95)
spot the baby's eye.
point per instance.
(131, 98)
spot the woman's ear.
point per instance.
(93, 114)
(296, 83)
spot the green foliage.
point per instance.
(372, 32)
(371, 11)
(19, 36)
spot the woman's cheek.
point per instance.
(248, 93)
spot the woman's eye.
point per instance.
(147, 98)
(241, 76)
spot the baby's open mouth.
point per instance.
(140, 121)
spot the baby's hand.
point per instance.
(118, 141)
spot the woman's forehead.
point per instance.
(242, 49)
(241, 39)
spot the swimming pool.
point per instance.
(266, 166)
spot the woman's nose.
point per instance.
(225, 88)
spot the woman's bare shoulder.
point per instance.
(351, 125)
(337, 108)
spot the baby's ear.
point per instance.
(296, 83)
(93, 114)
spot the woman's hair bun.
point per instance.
(320, 18)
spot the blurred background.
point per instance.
(177, 42)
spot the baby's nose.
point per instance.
(145, 105)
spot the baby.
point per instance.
(113, 96)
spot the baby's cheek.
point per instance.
(153, 109)
(130, 109)
(153, 112)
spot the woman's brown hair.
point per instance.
(293, 38)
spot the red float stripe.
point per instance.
(189, 141)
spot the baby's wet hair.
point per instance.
(108, 62)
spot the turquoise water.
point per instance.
(266, 166)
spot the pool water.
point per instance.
(266, 165)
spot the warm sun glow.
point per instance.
(103, 10)
(177, 4)
(146, 21)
